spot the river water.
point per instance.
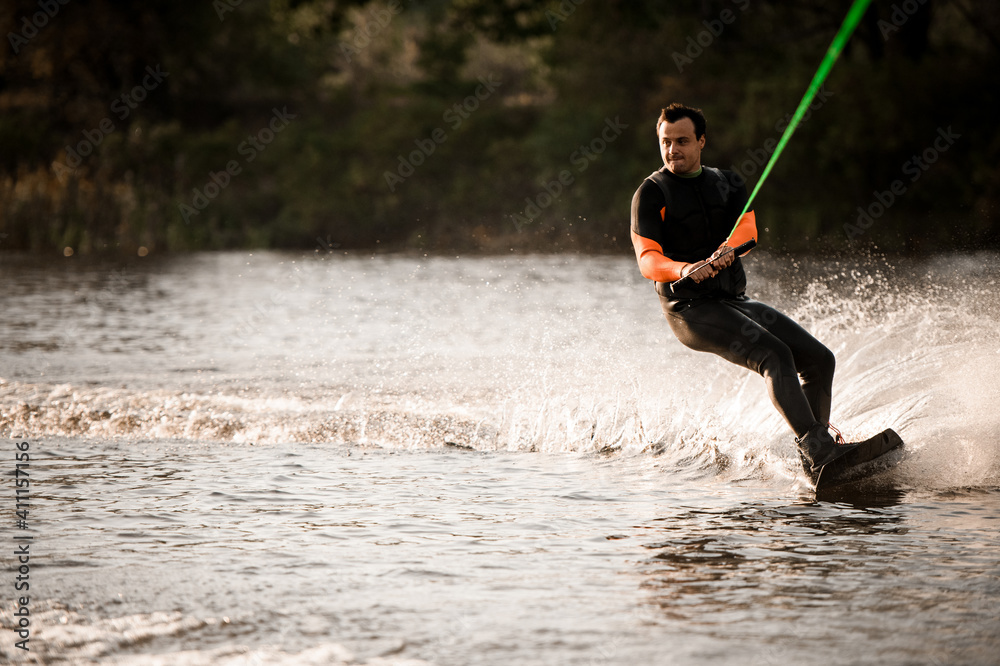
(269, 458)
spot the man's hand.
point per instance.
(723, 257)
(702, 270)
(699, 271)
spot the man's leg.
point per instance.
(813, 361)
(718, 328)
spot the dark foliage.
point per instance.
(473, 125)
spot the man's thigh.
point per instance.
(717, 328)
(801, 343)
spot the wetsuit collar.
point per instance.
(690, 175)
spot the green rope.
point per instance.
(832, 53)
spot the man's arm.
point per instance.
(648, 210)
(746, 230)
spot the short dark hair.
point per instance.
(676, 111)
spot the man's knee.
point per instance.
(772, 362)
(829, 362)
(822, 363)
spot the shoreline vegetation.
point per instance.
(483, 128)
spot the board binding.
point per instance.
(861, 462)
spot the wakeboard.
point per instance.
(861, 462)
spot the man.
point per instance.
(682, 216)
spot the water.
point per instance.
(273, 458)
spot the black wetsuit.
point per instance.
(715, 315)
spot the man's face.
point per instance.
(681, 152)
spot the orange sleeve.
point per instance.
(652, 263)
(744, 231)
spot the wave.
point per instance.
(65, 635)
(917, 348)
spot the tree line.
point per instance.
(467, 125)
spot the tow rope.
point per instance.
(832, 53)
